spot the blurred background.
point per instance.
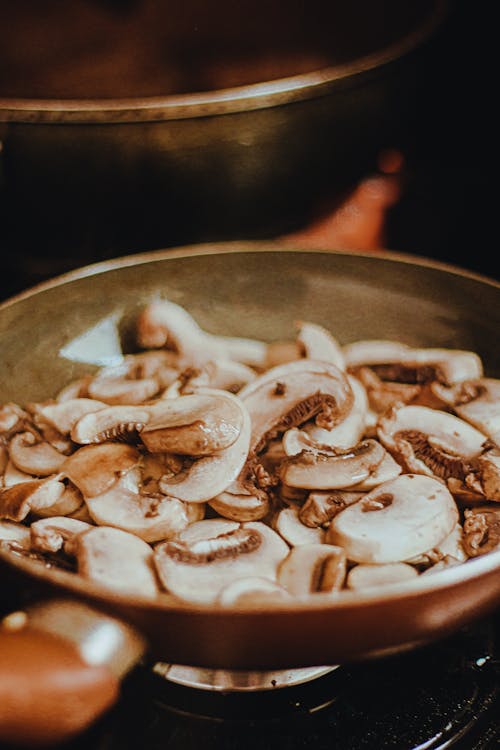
(129, 125)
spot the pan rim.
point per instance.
(219, 101)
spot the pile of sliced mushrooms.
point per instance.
(231, 471)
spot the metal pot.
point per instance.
(258, 290)
(102, 157)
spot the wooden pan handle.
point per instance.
(47, 692)
(58, 671)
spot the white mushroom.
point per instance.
(126, 505)
(481, 530)
(17, 501)
(63, 415)
(56, 533)
(310, 568)
(30, 453)
(365, 576)
(242, 506)
(320, 507)
(14, 532)
(163, 323)
(329, 469)
(198, 571)
(252, 590)
(352, 428)
(318, 343)
(478, 402)
(208, 476)
(436, 443)
(289, 525)
(95, 468)
(398, 520)
(116, 560)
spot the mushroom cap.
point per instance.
(116, 560)
(198, 571)
(365, 576)
(95, 468)
(302, 572)
(399, 519)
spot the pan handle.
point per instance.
(61, 663)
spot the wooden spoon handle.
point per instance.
(47, 691)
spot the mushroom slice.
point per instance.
(291, 394)
(242, 506)
(12, 419)
(208, 476)
(365, 576)
(319, 469)
(387, 469)
(163, 323)
(199, 424)
(289, 525)
(12, 475)
(436, 443)
(398, 520)
(311, 568)
(253, 590)
(29, 453)
(17, 501)
(123, 422)
(451, 546)
(75, 389)
(478, 402)
(198, 571)
(63, 415)
(69, 502)
(481, 530)
(321, 507)
(15, 533)
(125, 383)
(318, 343)
(126, 506)
(447, 562)
(208, 528)
(397, 362)
(352, 428)
(116, 560)
(56, 533)
(95, 468)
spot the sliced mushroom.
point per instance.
(56, 533)
(481, 530)
(318, 343)
(321, 507)
(208, 476)
(252, 590)
(95, 468)
(63, 415)
(387, 469)
(129, 382)
(352, 428)
(436, 443)
(322, 469)
(198, 571)
(199, 424)
(291, 394)
(446, 562)
(451, 546)
(397, 362)
(12, 475)
(17, 501)
(398, 520)
(289, 525)
(30, 453)
(125, 505)
(208, 528)
(365, 576)
(163, 323)
(14, 532)
(69, 502)
(116, 560)
(243, 506)
(478, 402)
(310, 568)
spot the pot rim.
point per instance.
(219, 101)
(456, 576)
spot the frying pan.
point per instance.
(130, 125)
(257, 290)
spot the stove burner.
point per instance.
(231, 681)
(446, 695)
